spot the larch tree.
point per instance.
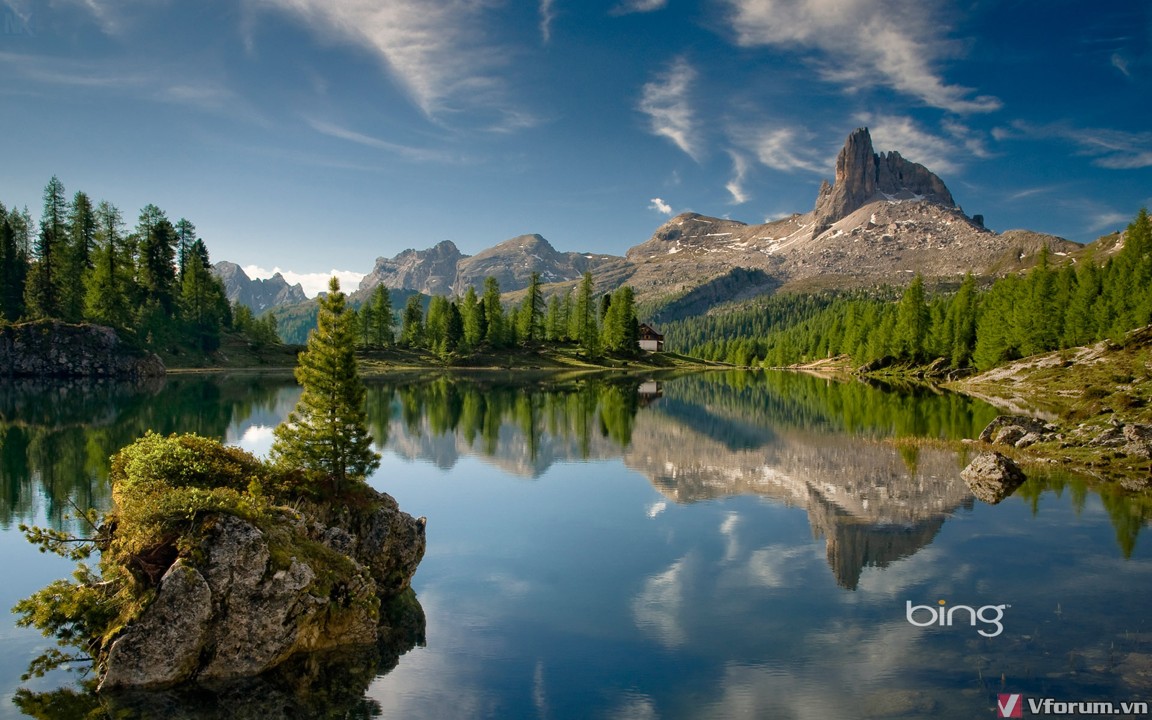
(43, 292)
(381, 317)
(327, 434)
(106, 292)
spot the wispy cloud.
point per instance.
(407, 152)
(435, 49)
(1121, 63)
(787, 149)
(660, 206)
(313, 283)
(899, 44)
(1111, 149)
(735, 186)
(667, 103)
(914, 143)
(1109, 221)
(547, 15)
(1031, 192)
(638, 6)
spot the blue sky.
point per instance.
(313, 135)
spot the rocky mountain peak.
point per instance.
(862, 176)
(258, 295)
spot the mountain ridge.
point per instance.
(882, 220)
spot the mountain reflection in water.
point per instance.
(645, 546)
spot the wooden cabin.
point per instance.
(650, 340)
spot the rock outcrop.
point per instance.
(247, 599)
(51, 348)
(260, 294)
(1018, 431)
(431, 271)
(862, 176)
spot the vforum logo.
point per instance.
(944, 616)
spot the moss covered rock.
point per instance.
(213, 569)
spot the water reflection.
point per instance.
(662, 563)
(56, 437)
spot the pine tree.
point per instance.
(436, 326)
(156, 271)
(381, 325)
(44, 290)
(77, 257)
(620, 333)
(203, 303)
(185, 236)
(962, 317)
(552, 331)
(530, 320)
(583, 328)
(911, 331)
(412, 327)
(106, 294)
(1079, 320)
(496, 333)
(454, 334)
(327, 433)
(475, 326)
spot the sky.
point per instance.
(314, 136)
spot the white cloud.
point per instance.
(897, 44)
(547, 15)
(787, 149)
(914, 143)
(435, 49)
(1121, 63)
(1109, 221)
(638, 6)
(661, 207)
(313, 283)
(735, 186)
(1112, 149)
(666, 102)
(405, 151)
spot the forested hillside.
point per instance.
(976, 325)
(82, 263)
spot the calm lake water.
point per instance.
(723, 546)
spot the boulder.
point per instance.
(992, 477)
(1138, 440)
(997, 432)
(163, 646)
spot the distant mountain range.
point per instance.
(882, 219)
(258, 295)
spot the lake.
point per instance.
(725, 545)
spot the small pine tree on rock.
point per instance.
(327, 433)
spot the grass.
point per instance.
(1084, 391)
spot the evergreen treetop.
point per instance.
(327, 435)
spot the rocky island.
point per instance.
(216, 566)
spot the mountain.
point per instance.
(258, 295)
(882, 219)
(443, 270)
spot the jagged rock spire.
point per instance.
(863, 176)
